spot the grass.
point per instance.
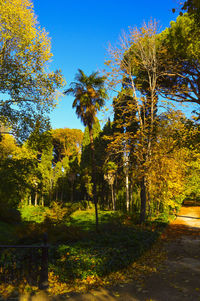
(102, 254)
(86, 219)
(32, 213)
(97, 255)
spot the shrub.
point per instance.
(58, 213)
(30, 232)
(33, 213)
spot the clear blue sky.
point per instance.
(80, 32)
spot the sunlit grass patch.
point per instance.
(86, 219)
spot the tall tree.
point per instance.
(136, 66)
(89, 96)
(182, 41)
(66, 142)
(28, 89)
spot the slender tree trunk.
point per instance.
(42, 203)
(127, 193)
(149, 203)
(62, 190)
(131, 198)
(36, 196)
(143, 200)
(29, 201)
(94, 178)
(126, 166)
(113, 198)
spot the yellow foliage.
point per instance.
(19, 33)
(168, 166)
(7, 146)
(25, 51)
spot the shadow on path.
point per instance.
(187, 216)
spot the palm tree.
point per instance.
(89, 96)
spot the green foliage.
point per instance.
(66, 143)
(86, 219)
(182, 42)
(54, 221)
(111, 251)
(89, 96)
(16, 175)
(32, 232)
(28, 88)
(35, 214)
(58, 213)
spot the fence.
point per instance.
(25, 262)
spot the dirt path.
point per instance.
(177, 279)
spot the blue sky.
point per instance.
(80, 32)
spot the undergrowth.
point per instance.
(80, 257)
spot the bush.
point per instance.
(58, 213)
(29, 232)
(33, 213)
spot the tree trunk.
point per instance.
(149, 204)
(113, 198)
(126, 169)
(36, 196)
(94, 178)
(127, 191)
(143, 200)
(62, 190)
(29, 201)
(131, 198)
(42, 203)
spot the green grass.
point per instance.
(101, 254)
(86, 219)
(117, 245)
(32, 213)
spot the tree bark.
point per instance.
(36, 195)
(143, 200)
(113, 197)
(94, 178)
(126, 171)
(127, 193)
(42, 201)
(29, 201)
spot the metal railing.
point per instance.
(27, 263)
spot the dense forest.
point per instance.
(144, 162)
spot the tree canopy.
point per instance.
(27, 87)
(181, 40)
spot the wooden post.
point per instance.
(43, 282)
